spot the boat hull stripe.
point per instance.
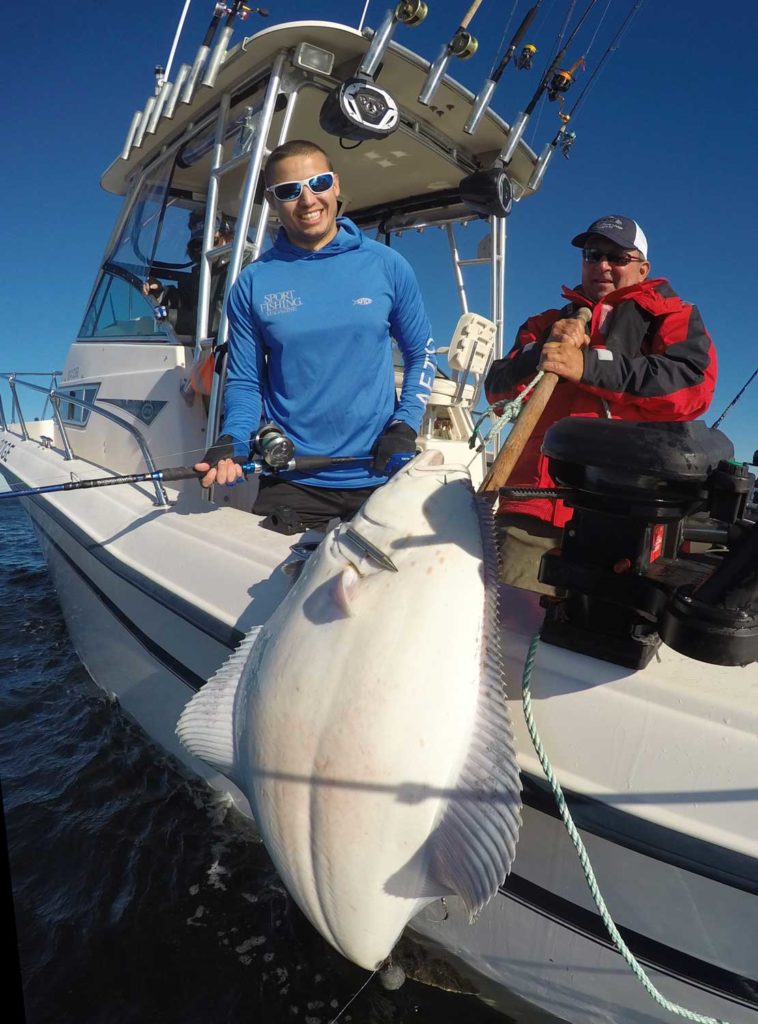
(729, 867)
(160, 654)
(653, 954)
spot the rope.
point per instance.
(502, 413)
(568, 821)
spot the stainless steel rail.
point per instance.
(55, 397)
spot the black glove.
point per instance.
(222, 448)
(397, 439)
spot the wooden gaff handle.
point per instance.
(531, 411)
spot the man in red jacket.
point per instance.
(645, 355)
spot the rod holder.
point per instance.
(142, 128)
(481, 103)
(136, 118)
(160, 102)
(378, 46)
(514, 137)
(540, 167)
(176, 88)
(217, 58)
(197, 67)
(436, 71)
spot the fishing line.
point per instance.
(544, 18)
(559, 39)
(612, 47)
(507, 26)
(353, 998)
(540, 108)
(594, 37)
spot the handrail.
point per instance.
(55, 396)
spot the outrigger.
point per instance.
(654, 742)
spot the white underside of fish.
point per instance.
(378, 761)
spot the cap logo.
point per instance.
(609, 222)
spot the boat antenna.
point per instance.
(461, 45)
(172, 52)
(521, 121)
(362, 22)
(563, 137)
(736, 398)
(484, 98)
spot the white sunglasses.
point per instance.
(289, 191)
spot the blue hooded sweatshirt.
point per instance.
(310, 347)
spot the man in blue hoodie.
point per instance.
(310, 328)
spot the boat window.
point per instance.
(75, 415)
(119, 309)
(149, 282)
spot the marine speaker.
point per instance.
(488, 192)
(358, 110)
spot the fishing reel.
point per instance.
(463, 45)
(273, 446)
(559, 84)
(525, 59)
(242, 11)
(411, 12)
(488, 192)
(562, 81)
(567, 141)
(359, 110)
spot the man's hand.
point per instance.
(563, 358)
(218, 465)
(571, 331)
(562, 352)
(153, 289)
(397, 439)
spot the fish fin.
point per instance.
(345, 589)
(473, 848)
(206, 725)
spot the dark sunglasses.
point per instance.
(289, 191)
(622, 259)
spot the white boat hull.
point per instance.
(673, 841)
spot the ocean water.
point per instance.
(139, 897)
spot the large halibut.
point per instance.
(366, 720)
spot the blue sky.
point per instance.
(666, 136)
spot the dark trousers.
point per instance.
(522, 541)
(292, 508)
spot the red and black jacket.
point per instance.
(649, 358)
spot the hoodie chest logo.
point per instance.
(362, 302)
(276, 303)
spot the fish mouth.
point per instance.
(428, 459)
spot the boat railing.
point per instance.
(54, 396)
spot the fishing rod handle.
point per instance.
(470, 13)
(190, 473)
(256, 466)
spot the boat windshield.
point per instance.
(148, 283)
